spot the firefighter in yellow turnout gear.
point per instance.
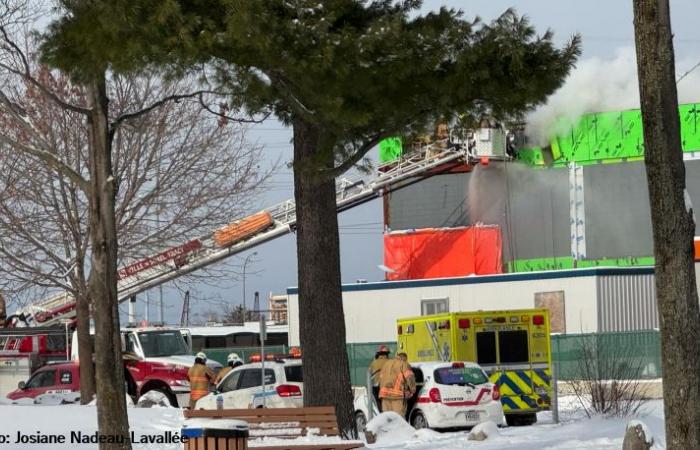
(396, 385)
(375, 368)
(200, 377)
(233, 361)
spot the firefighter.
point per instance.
(380, 358)
(396, 385)
(200, 377)
(233, 361)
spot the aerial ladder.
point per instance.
(199, 253)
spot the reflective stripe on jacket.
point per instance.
(200, 377)
(396, 380)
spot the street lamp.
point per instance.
(245, 263)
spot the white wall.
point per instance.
(370, 315)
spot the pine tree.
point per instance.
(343, 74)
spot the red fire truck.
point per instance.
(156, 359)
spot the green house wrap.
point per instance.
(390, 149)
(613, 136)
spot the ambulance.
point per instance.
(513, 347)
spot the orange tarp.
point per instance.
(696, 244)
(242, 229)
(443, 252)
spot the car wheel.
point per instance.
(360, 421)
(419, 421)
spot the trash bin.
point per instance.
(215, 434)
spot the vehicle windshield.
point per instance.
(462, 376)
(163, 343)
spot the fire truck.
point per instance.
(158, 359)
(241, 235)
(23, 350)
(513, 347)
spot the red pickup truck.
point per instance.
(64, 377)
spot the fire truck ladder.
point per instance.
(349, 193)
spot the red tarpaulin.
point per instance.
(443, 252)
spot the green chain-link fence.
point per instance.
(636, 353)
(638, 350)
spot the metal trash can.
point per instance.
(215, 434)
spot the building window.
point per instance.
(434, 306)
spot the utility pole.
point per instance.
(245, 263)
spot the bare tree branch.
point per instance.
(8, 44)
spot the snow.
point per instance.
(575, 431)
(488, 429)
(390, 428)
(153, 399)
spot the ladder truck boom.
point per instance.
(246, 233)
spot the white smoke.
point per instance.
(597, 85)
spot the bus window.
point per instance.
(512, 346)
(216, 342)
(198, 342)
(247, 340)
(486, 347)
(276, 339)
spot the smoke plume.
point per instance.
(597, 85)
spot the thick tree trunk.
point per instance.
(321, 318)
(112, 417)
(87, 368)
(672, 222)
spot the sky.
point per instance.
(607, 30)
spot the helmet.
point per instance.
(233, 357)
(201, 355)
(383, 349)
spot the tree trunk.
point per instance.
(87, 368)
(672, 223)
(112, 419)
(321, 318)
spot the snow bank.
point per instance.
(393, 432)
(389, 427)
(483, 431)
(67, 398)
(153, 399)
(129, 401)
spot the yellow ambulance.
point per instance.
(513, 347)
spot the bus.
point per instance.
(237, 336)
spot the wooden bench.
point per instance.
(285, 423)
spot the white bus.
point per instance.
(241, 336)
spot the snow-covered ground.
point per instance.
(573, 432)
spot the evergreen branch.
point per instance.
(284, 88)
(230, 118)
(354, 158)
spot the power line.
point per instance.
(688, 72)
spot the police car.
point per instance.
(242, 387)
(448, 395)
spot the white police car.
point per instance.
(448, 395)
(242, 387)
